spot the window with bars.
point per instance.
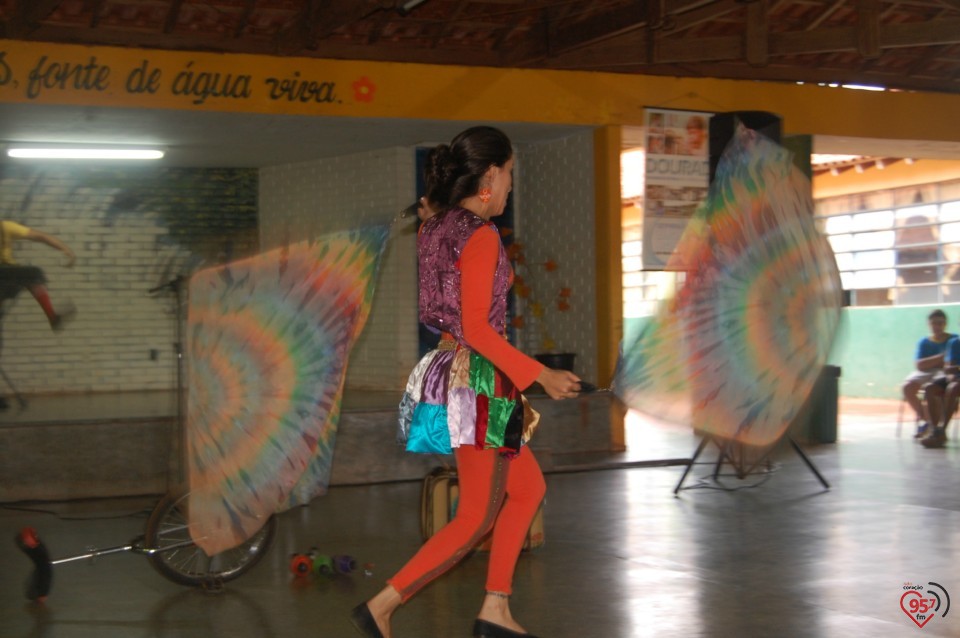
(642, 289)
(897, 246)
(893, 247)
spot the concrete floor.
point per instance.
(624, 557)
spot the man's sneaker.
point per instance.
(937, 438)
(60, 320)
(922, 430)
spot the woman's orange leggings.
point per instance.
(495, 492)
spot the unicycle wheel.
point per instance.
(175, 557)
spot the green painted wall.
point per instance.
(875, 346)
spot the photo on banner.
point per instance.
(676, 178)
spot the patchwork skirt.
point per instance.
(456, 397)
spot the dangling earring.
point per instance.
(485, 194)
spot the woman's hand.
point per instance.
(559, 384)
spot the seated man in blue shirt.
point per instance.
(941, 396)
(929, 363)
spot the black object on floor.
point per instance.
(363, 620)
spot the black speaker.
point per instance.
(722, 126)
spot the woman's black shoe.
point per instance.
(363, 620)
(484, 629)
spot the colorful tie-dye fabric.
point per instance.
(268, 342)
(738, 347)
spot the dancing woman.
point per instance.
(465, 395)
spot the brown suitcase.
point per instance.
(438, 504)
(438, 500)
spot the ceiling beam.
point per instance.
(442, 29)
(419, 55)
(94, 7)
(591, 31)
(173, 15)
(795, 74)
(226, 44)
(331, 15)
(931, 33)
(693, 49)
(602, 27)
(675, 21)
(922, 62)
(549, 16)
(379, 23)
(817, 41)
(318, 19)
(756, 47)
(292, 38)
(626, 50)
(829, 11)
(28, 17)
(550, 19)
(671, 51)
(952, 4)
(682, 6)
(654, 22)
(157, 40)
(244, 18)
(868, 29)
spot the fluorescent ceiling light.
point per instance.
(863, 87)
(85, 153)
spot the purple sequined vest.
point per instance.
(439, 246)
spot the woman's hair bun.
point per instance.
(453, 171)
(440, 164)
(439, 174)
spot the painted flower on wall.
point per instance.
(364, 89)
(536, 285)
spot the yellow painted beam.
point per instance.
(608, 224)
(609, 288)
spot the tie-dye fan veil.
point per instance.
(738, 347)
(269, 338)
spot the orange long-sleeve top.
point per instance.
(478, 263)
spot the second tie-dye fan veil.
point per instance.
(737, 349)
(269, 339)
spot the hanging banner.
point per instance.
(676, 178)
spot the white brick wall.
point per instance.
(298, 201)
(555, 220)
(107, 347)
(123, 247)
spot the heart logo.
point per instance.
(919, 607)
